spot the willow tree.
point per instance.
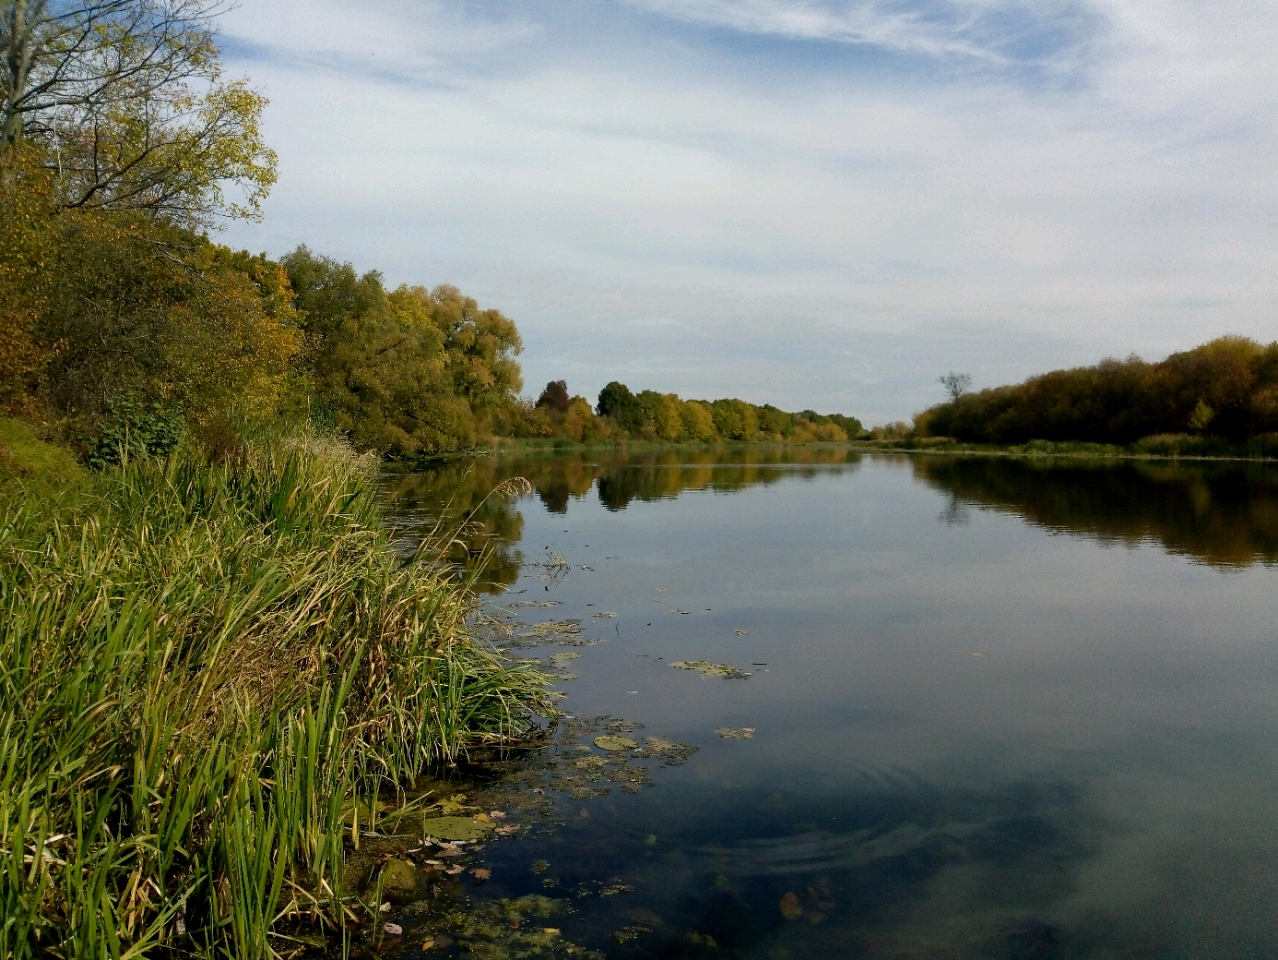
(127, 102)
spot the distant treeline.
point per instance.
(665, 418)
(1226, 389)
(123, 332)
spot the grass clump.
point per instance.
(203, 669)
(32, 465)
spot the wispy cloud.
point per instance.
(999, 32)
(730, 194)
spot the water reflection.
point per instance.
(460, 495)
(973, 741)
(1221, 514)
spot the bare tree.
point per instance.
(126, 99)
(955, 384)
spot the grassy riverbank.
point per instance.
(1160, 447)
(205, 669)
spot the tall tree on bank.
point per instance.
(126, 101)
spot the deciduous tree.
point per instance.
(128, 101)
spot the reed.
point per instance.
(206, 672)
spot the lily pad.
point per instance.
(611, 742)
(709, 670)
(455, 828)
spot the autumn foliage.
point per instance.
(1226, 389)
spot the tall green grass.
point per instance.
(203, 671)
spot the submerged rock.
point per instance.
(399, 881)
(791, 906)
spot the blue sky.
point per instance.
(814, 203)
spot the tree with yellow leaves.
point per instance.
(127, 101)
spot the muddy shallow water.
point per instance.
(993, 708)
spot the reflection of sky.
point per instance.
(817, 203)
(1105, 766)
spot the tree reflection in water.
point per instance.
(1224, 514)
(486, 529)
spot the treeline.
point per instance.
(124, 328)
(127, 331)
(1226, 389)
(649, 415)
(123, 332)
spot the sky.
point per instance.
(818, 204)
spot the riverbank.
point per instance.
(212, 673)
(1163, 447)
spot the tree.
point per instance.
(698, 424)
(330, 293)
(481, 346)
(142, 312)
(735, 419)
(555, 396)
(660, 414)
(955, 384)
(27, 245)
(616, 401)
(127, 101)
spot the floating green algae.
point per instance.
(612, 742)
(549, 628)
(708, 669)
(456, 828)
(509, 929)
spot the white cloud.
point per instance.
(641, 201)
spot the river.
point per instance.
(994, 707)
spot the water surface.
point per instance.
(1001, 708)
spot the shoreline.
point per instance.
(1034, 450)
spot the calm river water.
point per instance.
(1000, 708)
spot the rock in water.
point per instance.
(791, 907)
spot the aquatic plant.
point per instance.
(203, 669)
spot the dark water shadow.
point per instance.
(1222, 515)
(887, 870)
